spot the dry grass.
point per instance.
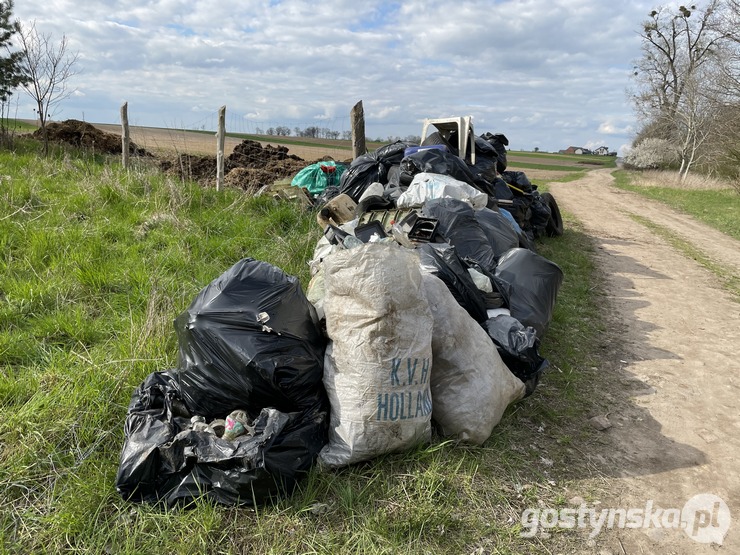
(671, 179)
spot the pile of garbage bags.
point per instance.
(424, 315)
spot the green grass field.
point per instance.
(97, 262)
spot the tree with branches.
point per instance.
(683, 75)
(11, 70)
(49, 67)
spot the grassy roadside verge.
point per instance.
(97, 262)
(716, 208)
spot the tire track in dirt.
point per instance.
(677, 428)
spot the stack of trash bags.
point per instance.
(424, 315)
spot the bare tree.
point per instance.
(11, 71)
(677, 96)
(49, 67)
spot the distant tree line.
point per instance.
(687, 90)
(314, 132)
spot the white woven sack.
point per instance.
(471, 385)
(378, 365)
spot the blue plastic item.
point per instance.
(413, 149)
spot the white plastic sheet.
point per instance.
(427, 186)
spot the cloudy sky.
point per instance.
(547, 73)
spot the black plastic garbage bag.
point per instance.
(518, 180)
(165, 461)
(501, 234)
(485, 168)
(441, 260)
(392, 154)
(458, 225)
(539, 215)
(363, 172)
(434, 160)
(518, 346)
(499, 142)
(251, 340)
(501, 189)
(530, 283)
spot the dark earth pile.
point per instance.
(83, 135)
(250, 166)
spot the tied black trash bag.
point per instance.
(363, 172)
(458, 225)
(530, 284)
(433, 160)
(251, 340)
(518, 346)
(165, 461)
(501, 234)
(441, 260)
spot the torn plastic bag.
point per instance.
(471, 386)
(250, 340)
(426, 186)
(326, 195)
(493, 298)
(518, 346)
(164, 460)
(317, 177)
(442, 261)
(363, 172)
(500, 232)
(530, 283)
(379, 359)
(459, 227)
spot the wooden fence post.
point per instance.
(220, 139)
(125, 137)
(357, 121)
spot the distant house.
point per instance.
(575, 150)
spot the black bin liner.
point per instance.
(363, 172)
(501, 234)
(530, 284)
(518, 346)
(438, 161)
(540, 215)
(442, 260)
(251, 340)
(164, 461)
(392, 154)
(459, 227)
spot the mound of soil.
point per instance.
(250, 166)
(251, 154)
(83, 135)
(190, 166)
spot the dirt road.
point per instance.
(674, 336)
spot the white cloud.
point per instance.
(544, 72)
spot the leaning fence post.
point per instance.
(220, 139)
(357, 121)
(125, 137)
